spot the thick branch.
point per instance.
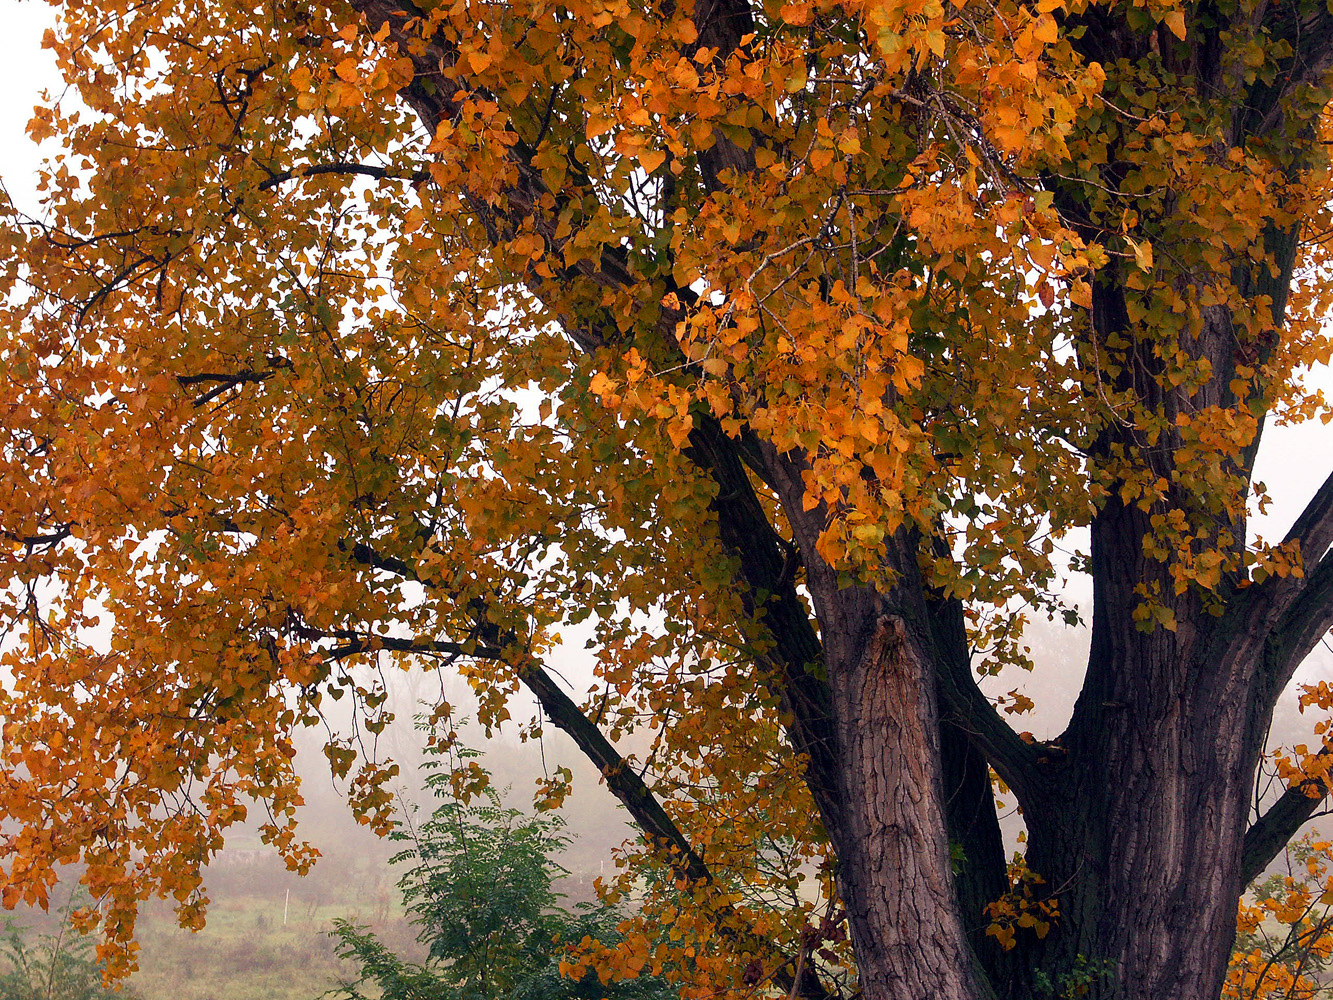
(767, 566)
(1305, 621)
(1295, 632)
(451, 650)
(368, 556)
(223, 382)
(1270, 833)
(970, 711)
(621, 779)
(342, 169)
(1314, 528)
(61, 533)
(768, 572)
(1285, 616)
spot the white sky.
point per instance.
(25, 70)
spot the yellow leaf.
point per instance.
(1142, 253)
(1045, 30)
(679, 430)
(651, 159)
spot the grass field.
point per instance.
(267, 935)
(247, 953)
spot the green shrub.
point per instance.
(60, 966)
(480, 890)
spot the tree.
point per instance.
(480, 888)
(780, 343)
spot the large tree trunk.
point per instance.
(884, 803)
(1140, 830)
(892, 842)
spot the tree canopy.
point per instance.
(789, 346)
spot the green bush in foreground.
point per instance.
(480, 888)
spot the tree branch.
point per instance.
(342, 169)
(1291, 613)
(1302, 623)
(224, 382)
(972, 712)
(1314, 528)
(1305, 25)
(420, 647)
(793, 975)
(767, 574)
(797, 978)
(1270, 833)
(55, 537)
(368, 556)
(623, 781)
(962, 703)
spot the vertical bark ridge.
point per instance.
(893, 850)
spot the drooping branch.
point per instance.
(797, 978)
(788, 623)
(767, 566)
(621, 779)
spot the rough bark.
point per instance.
(1139, 838)
(893, 850)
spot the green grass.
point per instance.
(246, 953)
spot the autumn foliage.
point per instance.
(789, 347)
